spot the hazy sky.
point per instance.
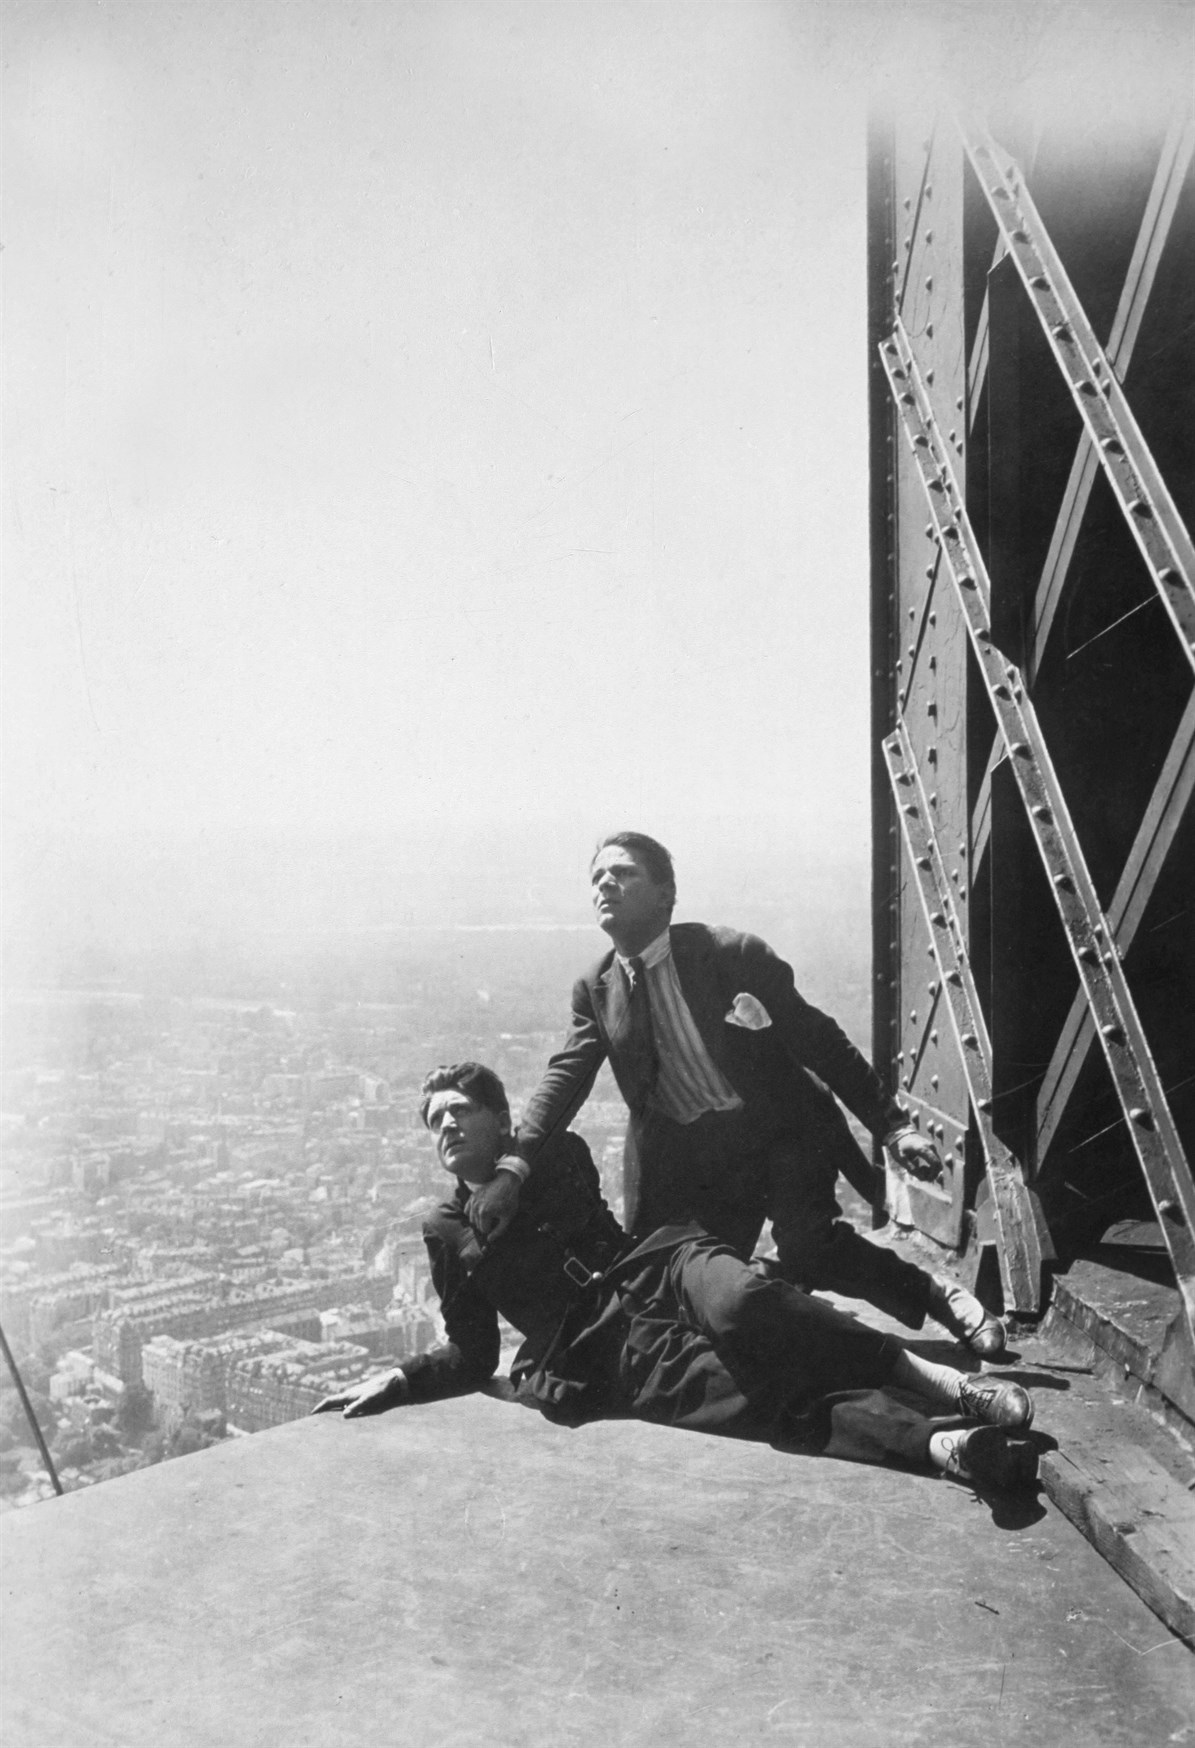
(441, 412)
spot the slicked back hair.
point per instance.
(649, 851)
(474, 1079)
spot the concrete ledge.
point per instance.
(468, 1573)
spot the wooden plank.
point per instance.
(1139, 1517)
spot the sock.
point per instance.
(939, 1383)
(942, 1447)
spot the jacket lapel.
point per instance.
(694, 955)
(634, 1066)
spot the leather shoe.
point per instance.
(987, 1456)
(995, 1402)
(961, 1313)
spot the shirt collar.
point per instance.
(653, 954)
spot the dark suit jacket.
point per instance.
(520, 1276)
(771, 1069)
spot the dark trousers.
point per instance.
(710, 1345)
(731, 1170)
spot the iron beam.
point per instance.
(1089, 936)
(1020, 1245)
(1173, 164)
(1167, 805)
(1124, 455)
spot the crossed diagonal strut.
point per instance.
(1142, 1098)
(1020, 1246)
(1123, 453)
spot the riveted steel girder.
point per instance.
(1088, 934)
(1135, 480)
(1019, 1249)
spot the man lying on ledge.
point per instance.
(675, 1329)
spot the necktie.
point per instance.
(641, 1040)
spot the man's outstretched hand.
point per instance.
(492, 1207)
(917, 1153)
(374, 1396)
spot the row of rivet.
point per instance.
(1100, 970)
(1097, 393)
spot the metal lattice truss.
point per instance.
(1104, 1013)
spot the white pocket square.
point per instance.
(749, 1012)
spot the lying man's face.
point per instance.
(469, 1137)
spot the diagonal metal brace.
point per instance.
(1124, 454)
(1020, 1250)
(1147, 1114)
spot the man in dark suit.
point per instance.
(676, 1329)
(724, 1068)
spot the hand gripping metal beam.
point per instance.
(1124, 454)
(1126, 1049)
(1020, 1245)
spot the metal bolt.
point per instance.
(929, 280)
(983, 1104)
(1139, 507)
(1168, 1205)
(923, 862)
(1039, 282)
(1113, 1034)
(1087, 388)
(970, 1040)
(953, 977)
(1042, 813)
(929, 237)
(959, 404)
(1141, 1117)
(966, 583)
(1020, 748)
(938, 920)
(1169, 575)
(1112, 445)
(1064, 883)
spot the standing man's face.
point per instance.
(627, 902)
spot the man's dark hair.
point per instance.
(650, 852)
(476, 1081)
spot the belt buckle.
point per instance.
(577, 1273)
